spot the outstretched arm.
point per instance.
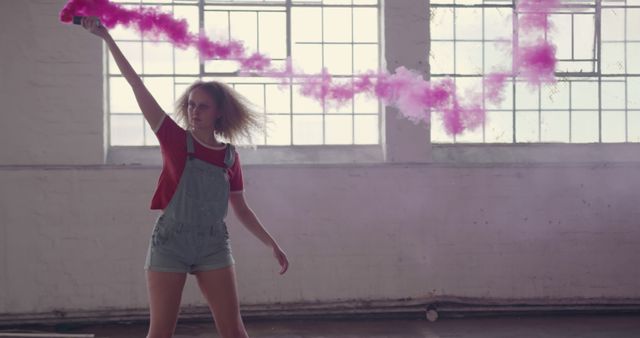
(251, 222)
(151, 110)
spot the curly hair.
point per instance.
(238, 119)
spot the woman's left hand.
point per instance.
(282, 258)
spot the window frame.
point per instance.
(597, 76)
(260, 154)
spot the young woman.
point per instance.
(200, 177)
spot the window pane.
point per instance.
(126, 130)
(254, 93)
(190, 14)
(468, 23)
(633, 125)
(133, 52)
(527, 123)
(162, 90)
(345, 107)
(584, 25)
(613, 58)
(306, 24)
(633, 86)
(278, 101)
(278, 130)
(468, 58)
(216, 25)
(308, 57)
(469, 85)
(339, 129)
(303, 104)
(187, 61)
(633, 17)
(584, 95)
(499, 127)
(441, 25)
(633, 58)
(507, 99)
(338, 59)
(365, 25)
(438, 133)
(366, 58)
(497, 57)
(555, 96)
(441, 57)
(244, 27)
(121, 98)
(561, 35)
(526, 96)
(613, 126)
(307, 130)
(612, 24)
(273, 35)
(337, 24)
(584, 126)
(554, 126)
(365, 104)
(613, 95)
(497, 23)
(366, 129)
(158, 57)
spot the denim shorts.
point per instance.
(180, 247)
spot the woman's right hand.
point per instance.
(93, 25)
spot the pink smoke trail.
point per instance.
(535, 14)
(535, 59)
(405, 89)
(152, 22)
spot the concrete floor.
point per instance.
(574, 326)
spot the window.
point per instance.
(341, 35)
(597, 96)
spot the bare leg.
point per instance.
(165, 292)
(219, 288)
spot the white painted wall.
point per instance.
(74, 232)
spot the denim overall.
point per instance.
(191, 234)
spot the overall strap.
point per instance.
(190, 151)
(229, 156)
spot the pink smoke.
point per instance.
(535, 59)
(405, 89)
(534, 14)
(154, 23)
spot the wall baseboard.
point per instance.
(400, 308)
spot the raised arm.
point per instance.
(151, 110)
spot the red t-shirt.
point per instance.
(173, 143)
